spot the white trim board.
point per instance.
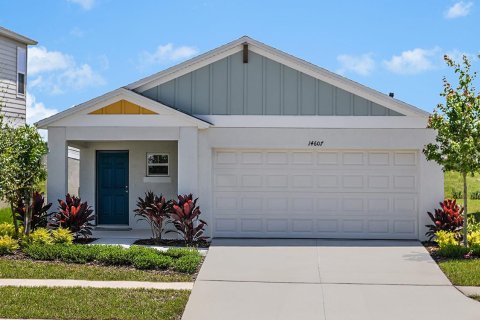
(347, 122)
(117, 95)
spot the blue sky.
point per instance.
(89, 47)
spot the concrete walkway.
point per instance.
(128, 238)
(95, 284)
(324, 279)
(469, 290)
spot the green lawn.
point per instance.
(91, 303)
(454, 181)
(26, 269)
(462, 272)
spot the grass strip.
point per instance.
(91, 303)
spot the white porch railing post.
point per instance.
(188, 161)
(57, 165)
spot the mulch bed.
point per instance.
(171, 243)
(432, 248)
(19, 255)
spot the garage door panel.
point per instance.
(372, 204)
(303, 193)
(260, 180)
(343, 227)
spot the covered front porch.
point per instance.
(124, 152)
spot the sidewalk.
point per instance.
(96, 284)
(469, 290)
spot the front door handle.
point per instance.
(126, 189)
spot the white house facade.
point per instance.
(271, 145)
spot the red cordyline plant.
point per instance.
(155, 210)
(185, 217)
(75, 215)
(447, 218)
(38, 209)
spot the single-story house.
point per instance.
(272, 146)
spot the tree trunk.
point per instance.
(14, 217)
(465, 211)
(28, 215)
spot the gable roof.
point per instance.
(17, 37)
(280, 57)
(118, 95)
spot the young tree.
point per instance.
(21, 168)
(457, 123)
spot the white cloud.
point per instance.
(42, 60)
(57, 72)
(413, 61)
(81, 77)
(459, 9)
(457, 55)
(85, 4)
(362, 64)
(166, 53)
(36, 110)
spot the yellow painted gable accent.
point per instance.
(123, 107)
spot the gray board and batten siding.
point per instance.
(259, 87)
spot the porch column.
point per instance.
(57, 165)
(188, 161)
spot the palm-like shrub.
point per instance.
(447, 218)
(75, 215)
(185, 217)
(39, 210)
(155, 210)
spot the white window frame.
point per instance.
(19, 94)
(157, 164)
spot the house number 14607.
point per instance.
(315, 143)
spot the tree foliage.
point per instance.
(21, 164)
(457, 122)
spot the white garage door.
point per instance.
(324, 194)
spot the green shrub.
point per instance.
(114, 255)
(40, 236)
(152, 261)
(180, 252)
(457, 194)
(43, 252)
(187, 260)
(446, 239)
(475, 249)
(7, 229)
(8, 245)
(453, 251)
(134, 251)
(472, 225)
(475, 195)
(187, 263)
(62, 236)
(474, 238)
(77, 253)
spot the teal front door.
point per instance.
(112, 187)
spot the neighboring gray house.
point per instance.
(13, 74)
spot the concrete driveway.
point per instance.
(324, 279)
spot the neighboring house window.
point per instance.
(157, 164)
(21, 70)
